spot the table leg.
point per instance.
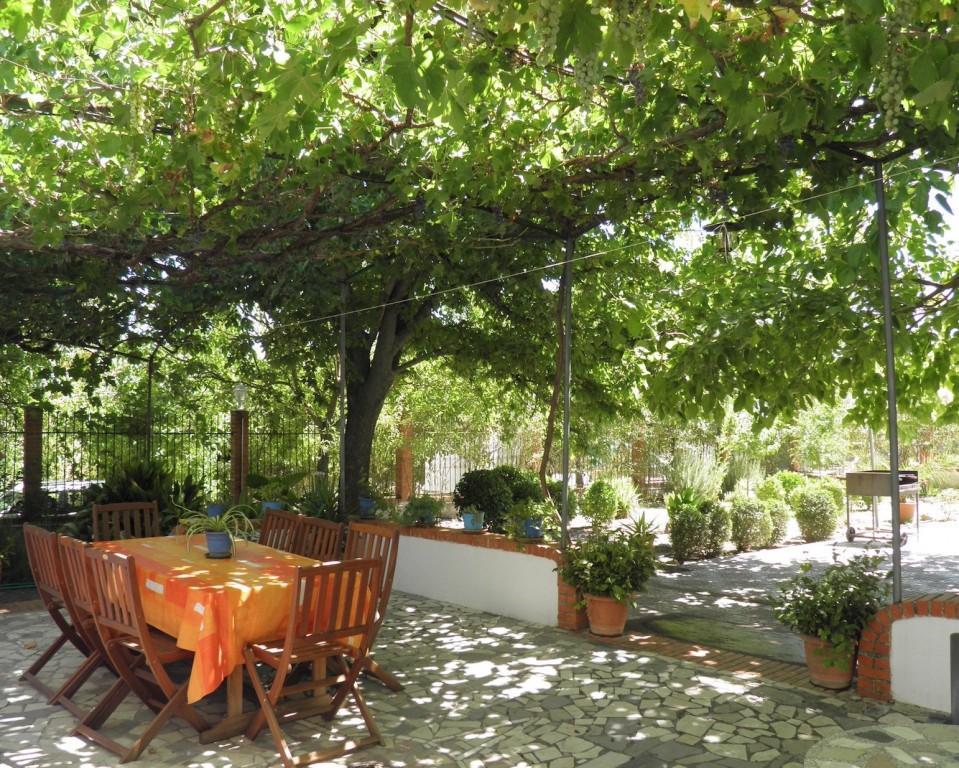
(235, 721)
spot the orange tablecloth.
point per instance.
(212, 607)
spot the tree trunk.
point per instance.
(557, 388)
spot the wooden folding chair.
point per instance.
(319, 539)
(382, 542)
(126, 520)
(137, 653)
(332, 616)
(78, 600)
(42, 554)
(280, 530)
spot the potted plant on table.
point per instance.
(221, 530)
(830, 612)
(607, 569)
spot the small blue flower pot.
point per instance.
(473, 521)
(532, 529)
(219, 544)
(265, 505)
(367, 507)
(215, 510)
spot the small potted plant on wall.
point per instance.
(830, 611)
(422, 511)
(221, 530)
(528, 519)
(607, 569)
(472, 519)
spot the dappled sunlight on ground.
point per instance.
(481, 690)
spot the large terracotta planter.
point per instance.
(607, 617)
(826, 668)
(907, 511)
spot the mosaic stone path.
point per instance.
(484, 691)
(891, 746)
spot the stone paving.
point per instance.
(482, 691)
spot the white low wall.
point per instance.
(919, 661)
(511, 584)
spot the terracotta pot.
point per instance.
(607, 617)
(827, 669)
(907, 511)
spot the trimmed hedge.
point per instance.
(816, 513)
(779, 514)
(600, 503)
(752, 525)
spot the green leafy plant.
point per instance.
(770, 489)
(789, 480)
(816, 513)
(718, 527)
(600, 504)
(698, 470)
(625, 495)
(486, 490)
(779, 514)
(279, 488)
(687, 525)
(322, 500)
(421, 511)
(615, 566)
(833, 487)
(541, 513)
(835, 606)
(555, 488)
(751, 523)
(234, 521)
(522, 485)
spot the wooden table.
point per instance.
(213, 608)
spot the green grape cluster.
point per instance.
(547, 14)
(892, 82)
(586, 73)
(631, 23)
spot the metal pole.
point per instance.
(344, 295)
(567, 379)
(953, 674)
(872, 466)
(890, 383)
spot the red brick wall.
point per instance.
(874, 680)
(569, 616)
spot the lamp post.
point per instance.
(239, 442)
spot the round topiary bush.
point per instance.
(751, 524)
(523, 485)
(486, 490)
(790, 481)
(599, 503)
(779, 514)
(688, 526)
(816, 513)
(770, 489)
(719, 527)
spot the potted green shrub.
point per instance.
(221, 530)
(528, 519)
(607, 570)
(472, 519)
(830, 612)
(421, 510)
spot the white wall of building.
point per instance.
(919, 663)
(510, 584)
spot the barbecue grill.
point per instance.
(877, 483)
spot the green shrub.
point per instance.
(555, 488)
(420, 510)
(615, 566)
(522, 485)
(751, 524)
(625, 495)
(696, 470)
(322, 500)
(833, 486)
(790, 481)
(687, 525)
(600, 503)
(718, 527)
(771, 489)
(486, 490)
(541, 513)
(779, 514)
(816, 513)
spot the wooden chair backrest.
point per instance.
(335, 602)
(116, 598)
(369, 540)
(75, 583)
(280, 530)
(126, 520)
(43, 556)
(320, 539)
